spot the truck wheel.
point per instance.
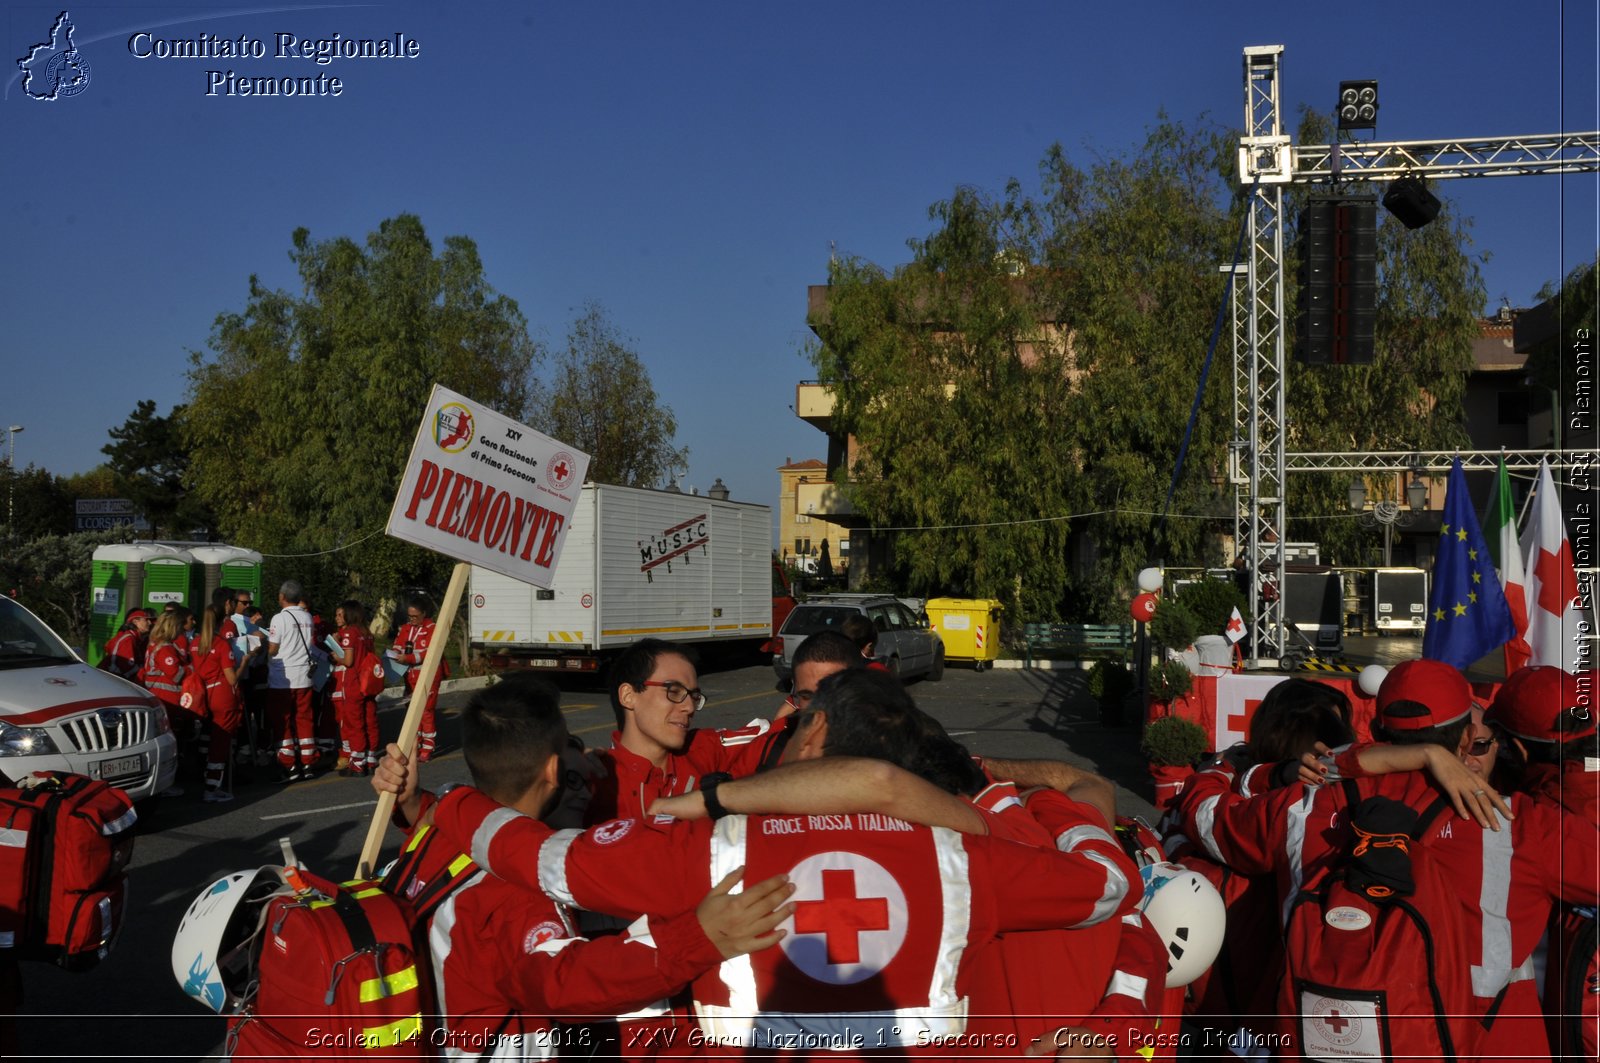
(936, 673)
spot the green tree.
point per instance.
(50, 574)
(148, 462)
(1430, 302)
(302, 415)
(33, 502)
(601, 401)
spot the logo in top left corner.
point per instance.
(54, 69)
(453, 427)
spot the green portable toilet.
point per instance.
(220, 565)
(168, 577)
(117, 577)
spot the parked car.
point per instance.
(907, 645)
(58, 714)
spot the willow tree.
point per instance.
(301, 415)
(951, 375)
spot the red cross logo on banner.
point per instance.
(1238, 721)
(1555, 572)
(841, 916)
(850, 918)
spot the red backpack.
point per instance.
(1372, 973)
(373, 678)
(192, 693)
(65, 841)
(342, 970)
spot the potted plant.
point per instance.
(1171, 745)
(1109, 682)
(1170, 680)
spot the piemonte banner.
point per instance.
(484, 489)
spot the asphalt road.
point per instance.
(131, 1007)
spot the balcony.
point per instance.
(826, 502)
(813, 403)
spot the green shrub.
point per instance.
(1170, 679)
(1212, 602)
(1109, 681)
(1173, 742)
(1174, 625)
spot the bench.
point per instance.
(1040, 638)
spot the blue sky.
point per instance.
(686, 164)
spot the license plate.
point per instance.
(111, 769)
(542, 662)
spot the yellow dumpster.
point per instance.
(970, 628)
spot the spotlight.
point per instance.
(1358, 105)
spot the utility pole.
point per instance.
(11, 480)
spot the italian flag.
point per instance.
(1500, 529)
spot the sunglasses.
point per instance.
(677, 693)
(1481, 746)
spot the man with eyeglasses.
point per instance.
(409, 648)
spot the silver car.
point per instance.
(907, 645)
(58, 714)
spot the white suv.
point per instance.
(58, 714)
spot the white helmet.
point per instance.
(1188, 913)
(211, 952)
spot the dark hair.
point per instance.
(859, 630)
(509, 731)
(1294, 716)
(945, 762)
(827, 647)
(869, 714)
(222, 598)
(355, 615)
(636, 664)
(421, 603)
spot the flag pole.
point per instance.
(431, 661)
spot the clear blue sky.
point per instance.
(686, 164)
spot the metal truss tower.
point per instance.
(1258, 458)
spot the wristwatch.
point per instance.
(708, 791)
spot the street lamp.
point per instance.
(1386, 513)
(11, 479)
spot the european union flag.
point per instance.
(1467, 611)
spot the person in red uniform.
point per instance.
(358, 713)
(410, 647)
(506, 959)
(656, 750)
(213, 661)
(124, 654)
(1548, 716)
(165, 667)
(1503, 870)
(887, 913)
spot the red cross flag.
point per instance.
(1554, 616)
(480, 487)
(1235, 628)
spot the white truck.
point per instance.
(636, 563)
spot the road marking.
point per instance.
(958, 734)
(314, 811)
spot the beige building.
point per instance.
(801, 532)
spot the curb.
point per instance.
(1043, 666)
(446, 686)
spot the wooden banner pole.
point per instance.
(413, 721)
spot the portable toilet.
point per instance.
(220, 565)
(168, 577)
(117, 578)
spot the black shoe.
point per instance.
(292, 774)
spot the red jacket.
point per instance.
(886, 912)
(356, 645)
(124, 655)
(1507, 877)
(163, 672)
(632, 783)
(411, 645)
(220, 694)
(1108, 976)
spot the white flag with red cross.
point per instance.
(1554, 616)
(1235, 629)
